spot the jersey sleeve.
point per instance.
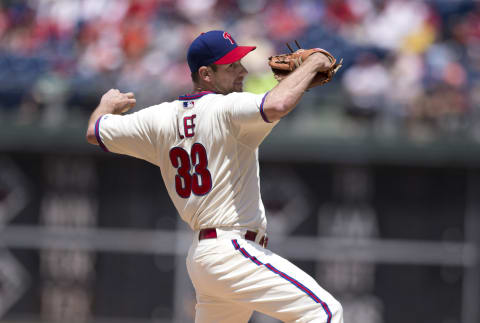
(250, 123)
(131, 134)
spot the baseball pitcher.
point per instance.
(206, 146)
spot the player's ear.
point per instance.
(205, 73)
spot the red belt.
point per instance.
(211, 233)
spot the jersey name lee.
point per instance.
(188, 127)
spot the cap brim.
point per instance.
(236, 54)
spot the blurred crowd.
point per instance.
(406, 62)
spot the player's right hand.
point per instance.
(118, 102)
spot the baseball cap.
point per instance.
(215, 47)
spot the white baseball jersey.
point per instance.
(206, 146)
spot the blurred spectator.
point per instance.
(388, 24)
(283, 24)
(442, 108)
(47, 100)
(407, 73)
(367, 84)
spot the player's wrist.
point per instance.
(111, 108)
(322, 62)
(105, 109)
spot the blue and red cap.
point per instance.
(215, 47)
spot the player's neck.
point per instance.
(197, 88)
(203, 86)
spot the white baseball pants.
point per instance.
(234, 277)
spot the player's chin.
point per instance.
(238, 87)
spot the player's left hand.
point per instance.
(117, 102)
(282, 65)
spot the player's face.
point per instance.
(229, 77)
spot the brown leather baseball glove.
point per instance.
(282, 65)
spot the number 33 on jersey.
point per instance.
(192, 173)
(200, 181)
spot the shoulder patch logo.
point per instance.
(188, 104)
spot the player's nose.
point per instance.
(243, 70)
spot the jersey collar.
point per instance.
(194, 96)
